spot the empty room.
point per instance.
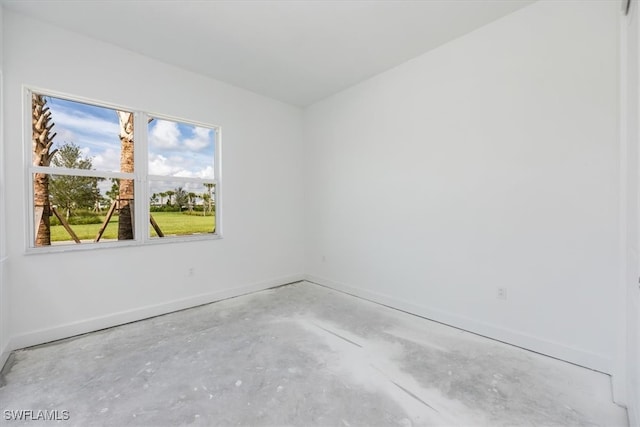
(320, 213)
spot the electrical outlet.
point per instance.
(191, 272)
(501, 293)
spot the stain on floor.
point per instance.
(300, 355)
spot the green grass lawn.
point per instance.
(171, 224)
(180, 224)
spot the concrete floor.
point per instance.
(300, 355)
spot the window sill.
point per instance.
(90, 246)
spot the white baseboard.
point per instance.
(633, 407)
(549, 348)
(42, 336)
(4, 356)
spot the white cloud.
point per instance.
(108, 160)
(202, 173)
(164, 134)
(183, 173)
(160, 165)
(64, 135)
(178, 165)
(175, 149)
(81, 121)
(91, 133)
(206, 173)
(201, 139)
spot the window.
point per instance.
(182, 183)
(92, 167)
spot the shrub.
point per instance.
(165, 208)
(196, 213)
(79, 217)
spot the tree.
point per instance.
(162, 196)
(193, 197)
(68, 191)
(182, 198)
(209, 199)
(169, 194)
(42, 140)
(206, 200)
(114, 192)
(125, 189)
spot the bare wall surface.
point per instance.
(54, 295)
(4, 303)
(630, 381)
(489, 163)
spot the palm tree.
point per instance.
(192, 200)
(170, 194)
(125, 220)
(42, 141)
(162, 196)
(181, 197)
(209, 198)
(206, 198)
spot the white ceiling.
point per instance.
(295, 51)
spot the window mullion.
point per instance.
(28, 161)
(141, 190)
(217, 168)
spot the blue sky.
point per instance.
(175, 149)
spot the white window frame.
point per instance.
(140, 176)
(3, 211)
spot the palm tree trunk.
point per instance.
(42, 209)
(125, 220)
(42, 140)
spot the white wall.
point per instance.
(4, 300)
(56, 295)
(630, 374)
(489, 162)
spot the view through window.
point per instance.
(87, 159)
